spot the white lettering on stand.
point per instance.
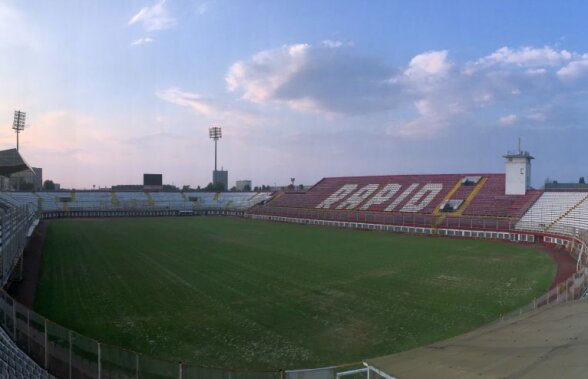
(381, 197)
(401, 198)
(340, 194)
(422, 198)
(354, 200)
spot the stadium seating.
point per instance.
(14, 363)
(417, 198)
(576, 217)
(50, 201)
(24, 198)
(557, 211)
(491, 200)
(91, 201)
(101, 200)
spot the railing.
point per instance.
(387, 218)
(142, 213)
(67, 354)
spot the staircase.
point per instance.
(150, 201)
(114, 199)
(471, 196)
(437, 211)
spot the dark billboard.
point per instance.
(152, 179)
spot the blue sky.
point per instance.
(302, 89)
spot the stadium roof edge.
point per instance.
(12, 162)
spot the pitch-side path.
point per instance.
(547, 343)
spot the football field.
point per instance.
(229, 292)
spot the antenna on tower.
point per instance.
(520, 144)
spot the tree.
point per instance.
(216, 187)
(246, 188)
(186, 188)
(582, 180)
(48, 185)
(26, 186)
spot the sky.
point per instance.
(302, 89)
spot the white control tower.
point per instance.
(518, 172)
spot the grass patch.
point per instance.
(230, 292)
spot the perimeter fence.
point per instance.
(441, 220)
(67, 354)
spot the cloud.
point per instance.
(575, 69)
(57, 131)
(430, 93)
(430, 64)
(327, 80)
(142, 41)
(333, 44)
(508, 120)
(207, 107)
(154, 18)
(526, 57)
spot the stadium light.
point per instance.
(215, 133)
(19, 124)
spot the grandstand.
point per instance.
(451, 200)
(88, 201)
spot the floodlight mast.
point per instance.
(19, 124)
(215, 133)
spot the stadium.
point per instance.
(371, 276)
(379, 222)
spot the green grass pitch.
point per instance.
(228, 292)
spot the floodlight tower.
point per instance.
(215, 133)
(19, 124)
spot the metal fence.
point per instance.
(142, 213)
(387, 218)
(67, 354)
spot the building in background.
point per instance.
(221, 177)
(243, 185)
(27, 180)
